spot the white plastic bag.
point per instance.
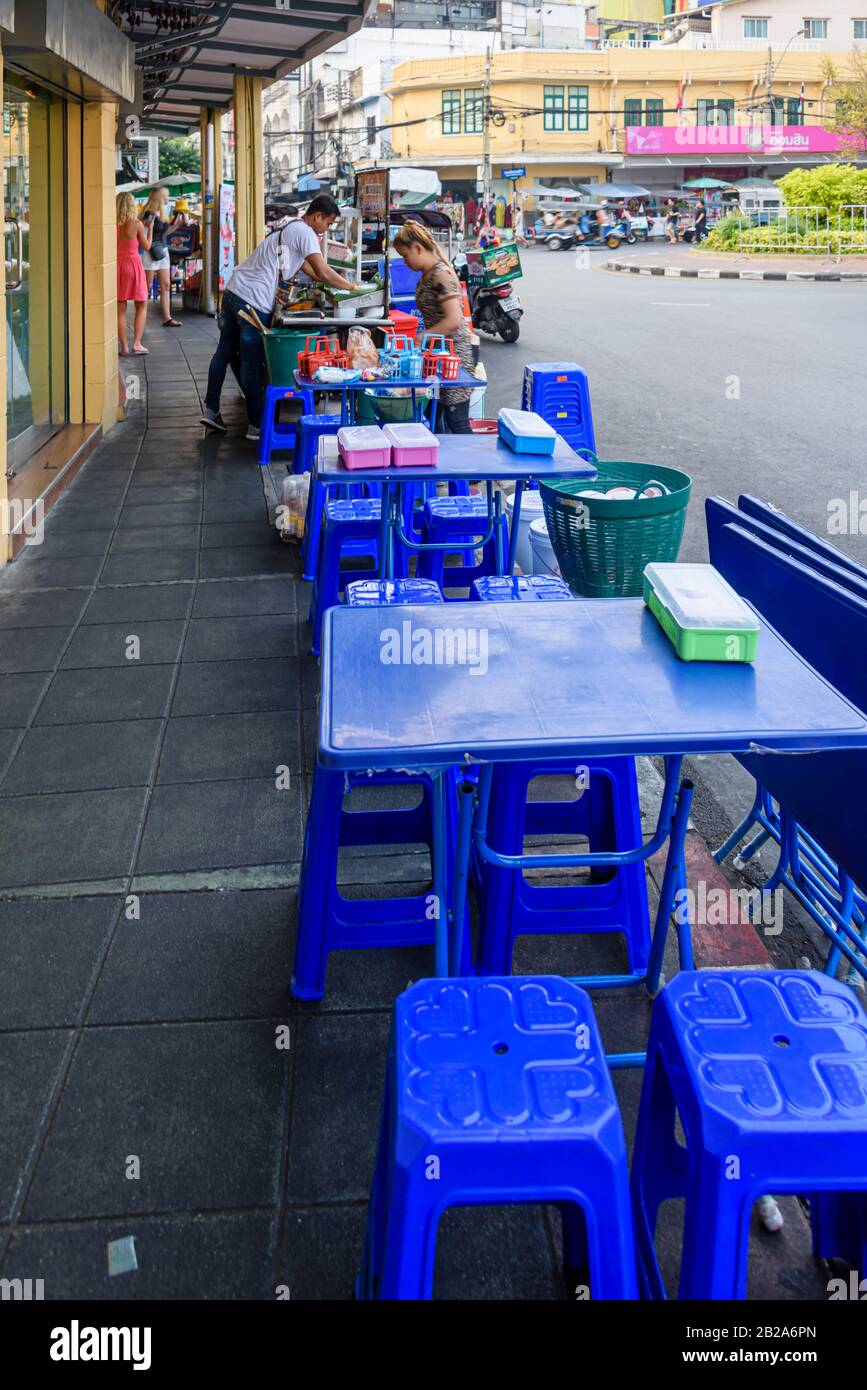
(292, 508)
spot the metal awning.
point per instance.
(190, 51)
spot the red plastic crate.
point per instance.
(403, 323)
(483, 426)
(324, 353)
(442, 364)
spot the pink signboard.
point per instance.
(730, 139)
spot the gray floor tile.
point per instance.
(69, 837)
(46, 572)
(139, 603)
(140, 566)
(8, 740)
(31, 649)
(201, 1104)
(29, 1067)
(107, 693)
(19, 696)
(167, 538)
(224, 1257)
(199, 955)
(209, 825)
(245, 598)
(322, 1252)
(50, 947)
(224, 687)
(81, 757)
(159, 514)
(231, 562)
(107, 644)
(212, 639)
(73, 542)
(226, 534)
(217, 746)
(54, 609)
(339, 1072)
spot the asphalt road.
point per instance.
(747, 386)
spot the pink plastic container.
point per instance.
(412, 445)
(363, 446)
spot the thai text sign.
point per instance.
(730, 139)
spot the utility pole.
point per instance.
(486, 134)
(769, 87)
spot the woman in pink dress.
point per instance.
(131, 282)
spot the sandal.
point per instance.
(171, 323)
(139, 352)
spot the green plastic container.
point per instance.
(371, 409)
(602, 544)
(700, 613)
(282, 346)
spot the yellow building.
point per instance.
(77, 83)
(651, 116)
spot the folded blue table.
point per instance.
(462, 458)
(439, 687)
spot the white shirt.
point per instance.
(281, 253)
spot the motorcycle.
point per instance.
(495, 311)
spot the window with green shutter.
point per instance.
(654, 111)
(793, 111)
(578, 107)
(554, 108)
(451, 113)
(632, 111)
(474, 122)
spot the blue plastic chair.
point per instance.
(379, 593)
(827, 624)
(497, 1091)
(719, 513)
(277, 434)
(767, 1071)
(350, 529)
(520, 588)
(760, 511)
(460, 520)
(560, 393)
(312, 428)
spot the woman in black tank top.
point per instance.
(156, 261)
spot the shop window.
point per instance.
(654, 111)
(554, 108)
(579, 101)
(755, 28)
(451, 113)
(859, 29)
(632, 111)
(474, 122)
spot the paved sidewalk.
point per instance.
(154, 677)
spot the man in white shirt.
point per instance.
(254, 285)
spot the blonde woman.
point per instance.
(156, 259)
(131, 283)
(440, 302)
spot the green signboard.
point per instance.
(501, 264)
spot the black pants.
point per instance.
(240, 347)
(453, 419)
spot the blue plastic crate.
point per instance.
(559, 392)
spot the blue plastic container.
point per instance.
(525, 432)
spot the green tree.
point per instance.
(829, 186)
(849, 93)
(179, 155)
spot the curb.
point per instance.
(678, 272)
(732, 944)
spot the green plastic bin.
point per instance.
(602, 544)
(282, 346)
(371, 409)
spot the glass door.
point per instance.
(35, 271)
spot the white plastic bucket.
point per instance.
(531, 510)
(544, 559)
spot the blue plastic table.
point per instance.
(462, 458)
(436, 687)
(346, 389)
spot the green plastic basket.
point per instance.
(282, 346)
(602, 544)
(371, 409)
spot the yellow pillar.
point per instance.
(100, 265)
(249, 166)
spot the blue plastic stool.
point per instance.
(312, 428)
(377, 593)
(607, 812)
(768, 1073)
(328, 921)
(458, 519)
(350, 528)
(317, 495)
(278, 434)
(523, 588)
(502, 1084)
(559, 392)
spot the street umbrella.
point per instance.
(706, 183)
